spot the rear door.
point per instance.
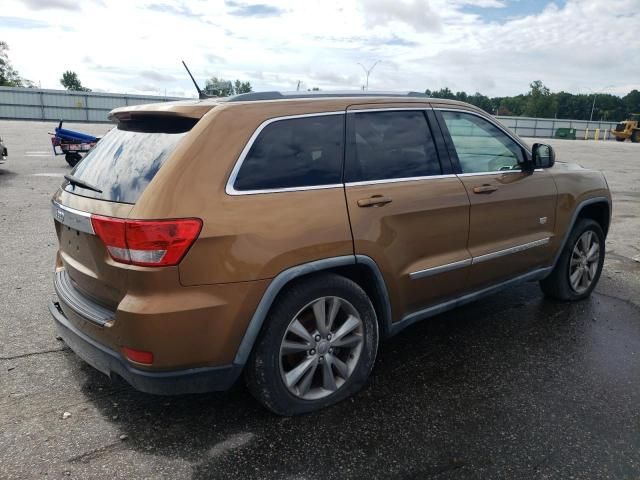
(408, 212)
(512, 211)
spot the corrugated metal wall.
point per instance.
(37, 104)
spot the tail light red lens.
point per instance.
(148, 243)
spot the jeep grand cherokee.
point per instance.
(282, 236)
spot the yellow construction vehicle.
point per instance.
(628, 129)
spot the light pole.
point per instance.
(368, 72)
(595, 94)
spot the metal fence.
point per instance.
(39, 104)
(546, 127)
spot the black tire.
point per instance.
(73, 159)
(558, 285)
(635, 136)
(262, 372)
(620, 139)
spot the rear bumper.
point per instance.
(102, 358)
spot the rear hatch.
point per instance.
(106, 185)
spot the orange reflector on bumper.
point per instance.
(138, 356)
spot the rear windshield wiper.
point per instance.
(81, 183)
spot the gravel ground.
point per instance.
(512, 386)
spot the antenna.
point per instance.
(201, 94)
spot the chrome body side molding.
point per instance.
(428, 272)
(510, 250)
(482, 258)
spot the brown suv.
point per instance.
(284, 235)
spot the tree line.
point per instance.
(540, 102)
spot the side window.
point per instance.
(298, 152)
(480, 145)
(388, 145)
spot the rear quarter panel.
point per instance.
(244, 237)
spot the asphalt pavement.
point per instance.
(512, 386)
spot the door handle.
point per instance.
(375, 201)
(485, 189)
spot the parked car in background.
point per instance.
(282, 236)
(4, 153)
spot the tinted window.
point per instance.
(480, 145)
(388, 145)
(299, 152)
(123, 163)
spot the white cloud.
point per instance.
(415, 13)
(136, 46)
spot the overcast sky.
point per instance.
(496, 47)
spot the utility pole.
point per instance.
(595, 94)
(368, 71)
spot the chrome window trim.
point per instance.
(510, 250)
(287, 189)
(495, 172)
(398, 180)
(72, 218)
(423, 108)
(490, 120)
(428, 272)
(230, 188)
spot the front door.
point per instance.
(512, 211)
(407, 213)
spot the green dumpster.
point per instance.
(566, 133)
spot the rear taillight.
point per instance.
(148, 243)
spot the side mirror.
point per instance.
(543, 156)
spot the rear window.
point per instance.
(123, 163)
(293, 153)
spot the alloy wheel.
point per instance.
(321, 348)
(583, 265)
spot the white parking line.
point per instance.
(38, 155)
(60, 175)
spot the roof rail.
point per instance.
(256, 96)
